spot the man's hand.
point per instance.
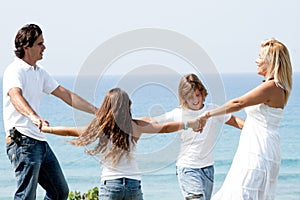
(39, 122)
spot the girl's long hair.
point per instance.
(112, 128)
(280, 67)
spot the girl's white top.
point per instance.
(126, 167)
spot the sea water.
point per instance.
(156, 153)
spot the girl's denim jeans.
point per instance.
(121, 188)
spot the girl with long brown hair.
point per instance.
(114, 135)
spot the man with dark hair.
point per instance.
(24, 81)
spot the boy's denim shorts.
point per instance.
(196, 183)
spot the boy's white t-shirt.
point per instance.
(197, 149)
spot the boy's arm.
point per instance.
(236, 122)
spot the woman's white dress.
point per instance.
(254, 171)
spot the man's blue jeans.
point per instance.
(121, 189)
(34, 162)
(196, 183)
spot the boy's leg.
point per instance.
(196, 183)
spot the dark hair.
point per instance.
(26, 36)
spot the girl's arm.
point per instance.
(142, 126)
(64, 130)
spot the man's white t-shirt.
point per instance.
(32, 82)
(197, 149)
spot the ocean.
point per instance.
(153, 95)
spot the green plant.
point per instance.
(74, 195)
(92, 194)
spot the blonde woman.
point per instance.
(255, 167)
(114, 135)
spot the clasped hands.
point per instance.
(39, 122)
(198, 124)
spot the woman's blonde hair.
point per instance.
(280, 67)
(188, 84)
(111, 127)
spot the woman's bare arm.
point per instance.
(236, 122)
(267, 93)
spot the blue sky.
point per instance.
(229, 31)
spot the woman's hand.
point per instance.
(194, 124)
(202, 119)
